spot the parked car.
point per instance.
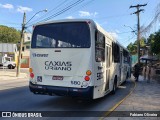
(6, 61)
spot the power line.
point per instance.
(89, 2)
(84, 5)
(155, 19)
(55, 8)
(62, 11)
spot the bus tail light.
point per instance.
(30, 70)
(87, 78)
(32, 75)
(88, 72)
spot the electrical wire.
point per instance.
(86, 4)
(64, 10)
(55, 8)
(61, 11)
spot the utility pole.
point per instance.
(21, 44)
(138, 27)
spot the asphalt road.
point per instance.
(21, 99)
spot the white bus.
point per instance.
(76, 58)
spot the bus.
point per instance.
(76, 58)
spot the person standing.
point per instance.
(145, 72)
(149, 72)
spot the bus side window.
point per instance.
(99, 47)
(126, 56)
(115, 53)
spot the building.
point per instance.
(26, 50)
(10, 49)
(27, 37)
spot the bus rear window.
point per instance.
(62, 35)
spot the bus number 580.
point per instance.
(75, 82)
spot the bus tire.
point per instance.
(114, 86)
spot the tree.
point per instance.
(150, 39)
(155, 42)
(142, 42)
(132, 47)
(9, 35)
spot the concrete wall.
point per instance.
(27, 37)
(8, 47)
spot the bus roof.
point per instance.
(64, 20)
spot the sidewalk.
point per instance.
(9, 80)
(145, 97)
(6, 75)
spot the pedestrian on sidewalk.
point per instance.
(149, 73)
(136, 71)
(145, 70)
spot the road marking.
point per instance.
(117, 104)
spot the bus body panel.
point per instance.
(71, 65)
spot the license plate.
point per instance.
(57, 78)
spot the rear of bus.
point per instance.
(61, 59)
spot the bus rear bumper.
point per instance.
(62, 91)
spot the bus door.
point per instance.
(108, 65)
(121, 66)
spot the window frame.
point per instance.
(99, 47)
(35, 34)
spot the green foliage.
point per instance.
(142, 42)
(132, 47)
(9, 35)
(155, 43)
(150, 40)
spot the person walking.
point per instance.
(136, 71)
